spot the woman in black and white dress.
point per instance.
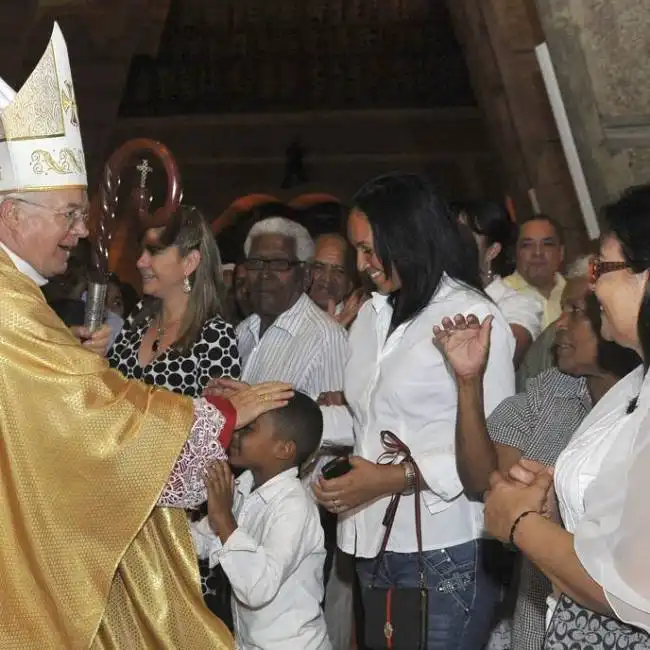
(177, 338)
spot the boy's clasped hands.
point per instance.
(220, 483)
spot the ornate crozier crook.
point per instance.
(104, 218)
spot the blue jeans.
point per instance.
(462, 594)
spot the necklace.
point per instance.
(160, 334)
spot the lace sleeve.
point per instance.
(185, 488)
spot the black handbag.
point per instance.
(396, 618)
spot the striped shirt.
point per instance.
(539, 422)
(304, 347)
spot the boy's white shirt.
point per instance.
(274, 561)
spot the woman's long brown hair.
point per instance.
(189, 231)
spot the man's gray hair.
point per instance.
(579, 270)
(286, 228)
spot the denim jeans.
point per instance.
(462, 593)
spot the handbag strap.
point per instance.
(394, 449)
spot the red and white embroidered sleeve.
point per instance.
(214, 421)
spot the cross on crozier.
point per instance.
(145, 169)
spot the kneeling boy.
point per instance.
(265, 531)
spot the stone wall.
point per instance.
(600, 50)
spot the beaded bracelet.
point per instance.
(513, 530)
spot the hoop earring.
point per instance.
(187, 285)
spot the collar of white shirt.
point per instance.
(289, 321)
(24, 267)
(380, 300)
(267, 491)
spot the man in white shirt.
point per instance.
(267, 536)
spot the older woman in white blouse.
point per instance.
(599, 563)
(409, 243)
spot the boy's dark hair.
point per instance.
(300, 421)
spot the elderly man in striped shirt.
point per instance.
(287, 335)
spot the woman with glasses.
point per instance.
(177, 337)
(598, 563)
(537, 423)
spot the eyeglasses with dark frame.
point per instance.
(280, 265)
(598, 268)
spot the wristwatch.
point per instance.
(409, 475)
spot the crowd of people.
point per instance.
(415, 429)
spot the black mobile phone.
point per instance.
(336, 467)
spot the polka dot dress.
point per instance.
(214, 354)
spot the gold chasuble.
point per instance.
(87, 558)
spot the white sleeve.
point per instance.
(436, 458)
(526, 310)
(337, 425)
(257, 570)
(206, 542)
(611, 540)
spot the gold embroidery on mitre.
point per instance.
(36, 111)
(69, 103)
(69, 162)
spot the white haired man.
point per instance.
(287, 337)
(96, 469)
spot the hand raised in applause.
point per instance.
(465, 343)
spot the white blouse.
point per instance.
(580, 462)
(402, 384)
(613, 537)
(517, 307)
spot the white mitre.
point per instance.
(40, 140)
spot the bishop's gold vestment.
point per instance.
(87, 560)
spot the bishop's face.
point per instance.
(42, 228)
